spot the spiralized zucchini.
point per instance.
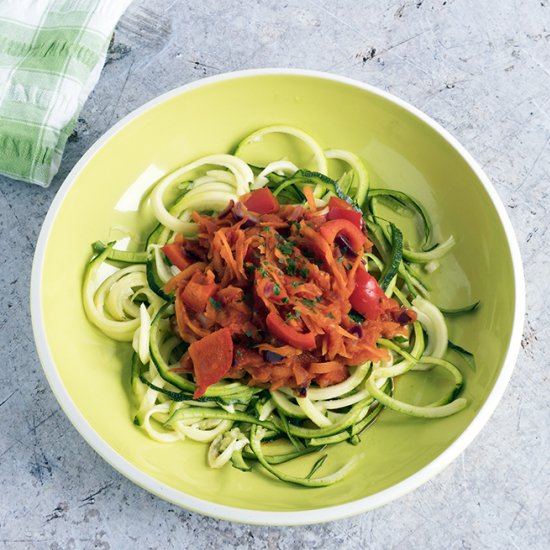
(238, 421)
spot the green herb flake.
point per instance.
(276, 289)
(356, 317)
(291, 267)
(293, 315)
(285, 248)
(215, 304)
(308, 303)
(296, 284)
(304, 272)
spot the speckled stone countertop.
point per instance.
(482, 69)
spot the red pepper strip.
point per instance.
(353, 234)
(196, 295)
(212, 357)
(174, 252)
(356, 218)
(262, 201)
(285, 333)
(367, 296)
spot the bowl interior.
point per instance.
(402, 151)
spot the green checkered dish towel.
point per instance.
(51, 56)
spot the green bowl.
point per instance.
(404, 149)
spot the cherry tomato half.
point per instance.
(367, 295)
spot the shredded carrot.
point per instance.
(189, 330)
(173, 283)
(310, 197)
(333, 377)
(283, 351)
(280, 289)
(321, 368)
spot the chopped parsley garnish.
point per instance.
(215, 304)
(297, 284)
(263, 272)
(355, 316)
(304, 272)
(290, 267)
(308, 303)
(294, 315)
(276, 289)
(285, 248)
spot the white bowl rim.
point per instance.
(244, 515)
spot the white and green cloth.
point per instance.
(51, 56)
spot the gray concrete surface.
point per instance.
(482, 69)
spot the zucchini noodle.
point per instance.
(135, 304)
(280, 167)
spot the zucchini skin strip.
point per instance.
(408, 202)
(331, 479)
(460, 310)
(356, 414)
(124, 256)
(284, 457)
(395, 259)
(429, 411)
(201, 413)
